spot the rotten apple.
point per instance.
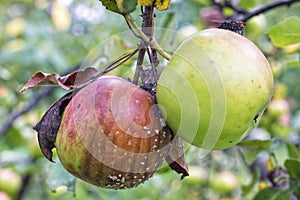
(112, 135)
(215, 88)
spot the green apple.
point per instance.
(215, 88)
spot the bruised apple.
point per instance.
(215, 88)
(111, 134)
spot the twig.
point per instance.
(139, 63)
(244, 15)
(33, 102)
(153, 43)
(267, 7)
(47, 91)
(131, 29)
(117, 63)
(228, 4)
(148, 30)
(25, 184)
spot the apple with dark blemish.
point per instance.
(112, 135)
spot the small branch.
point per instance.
(153, 43)
(25, 184)
(116, 63)
(46, 92)
(33, 102)
(267, 7)
(154, 62)
(131, 29)
(139, 63)
(244, 15)
(229, 4)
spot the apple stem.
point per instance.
(139, 63)
(147, 74)
(153, 43)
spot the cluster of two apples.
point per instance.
(212, 93)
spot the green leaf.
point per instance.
(126, 6)
(110, 5)
(120, 6)
(272, 194)
(248, 188)
(295, 187)
(251, 148)
(246, 4)
(293, 151)
(286, 32)
(256, 144)
(293, 167)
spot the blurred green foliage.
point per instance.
(54, 36)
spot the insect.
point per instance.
(232, 25)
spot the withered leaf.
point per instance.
(48, 126)
(70, 81)
(176, 157)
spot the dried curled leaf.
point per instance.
(71, 81)
(159, 4)
(48, 126)
(120, 6)
(176, 157)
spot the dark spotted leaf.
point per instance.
(71, 81)
(48, 126)
(176, 157)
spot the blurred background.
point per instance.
(63, 35)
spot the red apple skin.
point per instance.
(111, 134)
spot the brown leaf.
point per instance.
(48, 126)
(176, 157)
(71, 81)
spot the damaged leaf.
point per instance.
(120, 6)
(70, 81)
(176, 157)
(48, 126)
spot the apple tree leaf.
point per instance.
(48, 126)
(271, 193)
(176, 157)
(246, 189)
(71, 81)
(286, 32)
(126, 6)
(292, 151)
(251, 148)
(120, 6)
(293, 167)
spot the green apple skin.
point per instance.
(215, 88)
